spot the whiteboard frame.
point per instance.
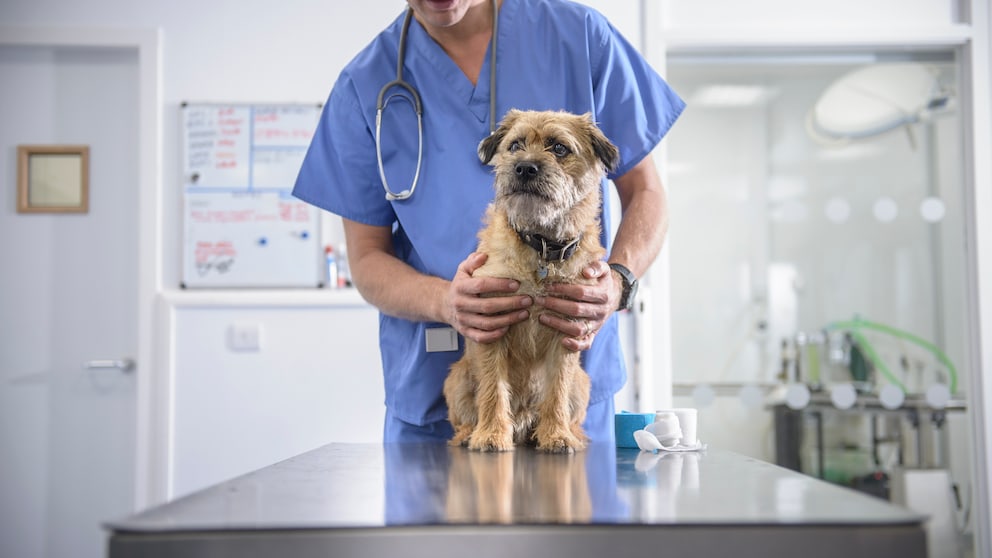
(188, 189)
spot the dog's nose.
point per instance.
(527, 170)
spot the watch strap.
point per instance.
(629, 286)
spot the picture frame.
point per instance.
(53, 178)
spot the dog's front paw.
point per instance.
(490, 441)
(561, 444)
(462, 434)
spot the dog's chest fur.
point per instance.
(509, 257)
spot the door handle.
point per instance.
(123, 364)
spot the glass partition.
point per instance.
(817, 251)
(778, 230)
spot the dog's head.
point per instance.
(548, 165)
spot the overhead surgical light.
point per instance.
(874, 100)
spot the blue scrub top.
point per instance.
(551, 55)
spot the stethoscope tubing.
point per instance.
(380, 106)
(390, 195)
(382, 101)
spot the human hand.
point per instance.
(481, 308)
(579, 311)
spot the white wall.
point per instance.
(316, 378)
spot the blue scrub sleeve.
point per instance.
(340, 173)
(634, 105)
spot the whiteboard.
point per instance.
(241, 225)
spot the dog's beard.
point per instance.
(533, 213)
(541, 205)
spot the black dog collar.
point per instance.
(550, 250)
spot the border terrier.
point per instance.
(542, 227)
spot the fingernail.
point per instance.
(523, 315)
(526, 301)
(514, 285)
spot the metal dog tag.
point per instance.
(441, 339)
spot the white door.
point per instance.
(68, 296)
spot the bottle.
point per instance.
(332, 267)
(344, 271)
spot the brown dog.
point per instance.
(543, 227)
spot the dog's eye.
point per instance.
(515, 146)
(560, 150)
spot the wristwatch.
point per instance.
(629, 292)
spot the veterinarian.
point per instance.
(412, 191)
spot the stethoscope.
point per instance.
(418, 107)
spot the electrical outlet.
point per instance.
(244, 337)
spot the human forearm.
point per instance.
(386, 282)
(644, 225)
(398, 290)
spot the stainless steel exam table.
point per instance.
(411, 500)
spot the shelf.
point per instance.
(302, 298)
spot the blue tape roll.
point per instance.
(625, 424)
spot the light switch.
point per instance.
(244, 336)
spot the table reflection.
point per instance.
(655, 483)
(435, 484)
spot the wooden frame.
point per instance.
(53, 178)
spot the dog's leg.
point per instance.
(459, 393)
(494, 430)
(556, 430)
(579, 403)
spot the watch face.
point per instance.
(631, 295)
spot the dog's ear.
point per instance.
(489, 145)
(602, 147)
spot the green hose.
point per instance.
(874, 358)
(854, 326)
